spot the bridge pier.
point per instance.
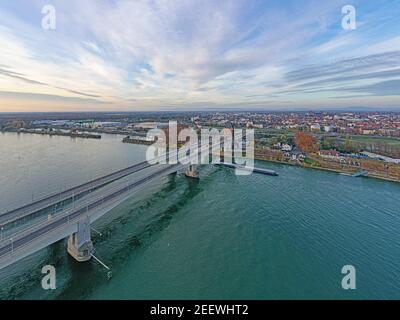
(192, 172)
(80, 245)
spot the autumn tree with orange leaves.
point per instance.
(306, 142)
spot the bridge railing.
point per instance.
(71, 213)
(85, 187)
(70, 190)
(75, 214)
(93, 197)
(67, 190)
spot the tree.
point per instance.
(306, 142)
(272, 141)
(348, 145)
(282, 138)
(328, 143)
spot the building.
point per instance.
(376, 156)
(368, 131)
(315, 127)
(329, 128)
(286, 147)
(150, 125)
(329, 154)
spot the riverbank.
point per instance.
(71, 134)
(339, 171)
(138, 140)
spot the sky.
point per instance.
(136, 55)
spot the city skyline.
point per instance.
(177, 55)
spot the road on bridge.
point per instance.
(12, 245)
(80, 190)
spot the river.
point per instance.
(223, 237)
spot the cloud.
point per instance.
(346, 66)
(383, 88)
(338, 79)
(145, 54)
(48, 97)
(361, 74)
(20, 76)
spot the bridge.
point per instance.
(72, 193)
(73, 221)
(41, 225)
(81, 206)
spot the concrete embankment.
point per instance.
(257, 170)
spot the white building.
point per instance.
(329, 128)
(286, 147)
(315, 127)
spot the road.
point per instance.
(61, 225)
(77, 214)
(80, 190)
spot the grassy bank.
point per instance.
(310, 165)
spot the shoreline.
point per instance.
(373, 176)
(83, 135)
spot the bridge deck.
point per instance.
(11, 246)
(258, 170)
(58, 226)
(80, 190)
